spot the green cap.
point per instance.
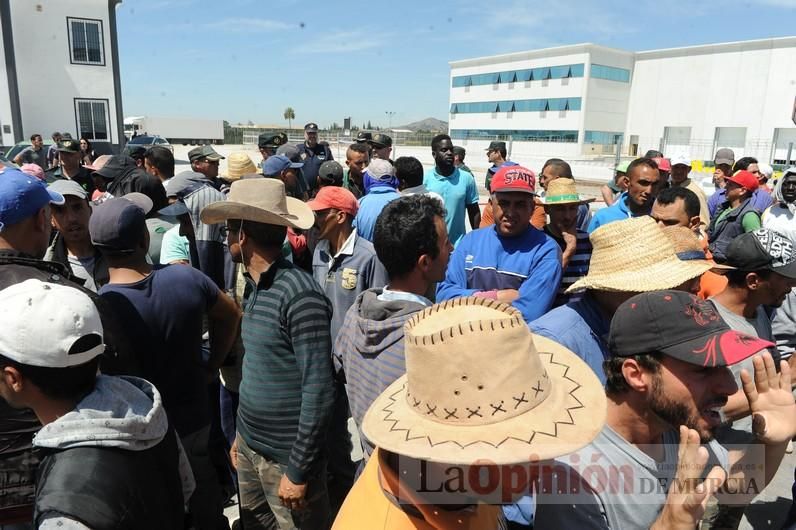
(68, 145)
(204, 151)
(622, 167)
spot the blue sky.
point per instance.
(244, 60)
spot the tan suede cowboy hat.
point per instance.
(480, 387)
(261, 200)
(563, 191)
(238, 164)
(634, 255)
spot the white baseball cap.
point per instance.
(681, 159)
(49, 325)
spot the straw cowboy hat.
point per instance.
(238, 164)
(260, 200)
(634, 255)
(563, 191)
(480, 386)
(688, 247)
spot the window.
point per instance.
(510, 76)
(519, 135)
(86, 44)
(520, 105)
(602, 137)
(610, 73)
(92, 118)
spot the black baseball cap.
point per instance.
(116, 225)
(459, 150)
(331, 172)
(364, 137)
(763, 249)
(68, 146)
(271, 140)
(380, 141)
(496, 146)
(311, 127)
(680, 325)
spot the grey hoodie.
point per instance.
(122, 412)
(371, 345)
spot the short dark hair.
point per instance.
(652, 153)
(562, 167)
(438, 140)
(614, 378)
(34, 136)
(643, 161)
(405, 230)
(264, 235)
(725, 168)
(737, 278)
(359, 148)
(669, 195)
(742, 164)
(161, 158)
(74, 382)
(409, 170)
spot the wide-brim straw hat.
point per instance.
(634, 255)
(563, 191)
(260, 200)
(238, 164)
(688, 248)
(479, 386)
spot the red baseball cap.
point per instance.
(514, 178)
(663, 164)
(335, 197)
(745, 179)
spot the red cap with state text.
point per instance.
(514, 178)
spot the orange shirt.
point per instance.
(711, 284)
(538, 218)
(368, 506)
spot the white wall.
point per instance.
(5, 100)
(605, 107)
(48, 82)
(749, 85)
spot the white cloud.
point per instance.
(240, 24)
(341, 42)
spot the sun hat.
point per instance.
(68, 187)
(458, 403)
(634, 255)
(763, 249)
(745, 179)
(49, 325)
(238, 164)
(563, 191)
(513, 178)
(335, 197)
(260, 201)
(116, 224)
(688, 247)
(679, 325)
(22, 195)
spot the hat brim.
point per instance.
(56, 198)
(664, 274)
(175, 209)
(569, 418)
(299, 214)
(511, 190)
(788, 271)
(724, 161)
(567, 201)
(722, 349)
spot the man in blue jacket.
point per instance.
(511, 262)
(643, 184)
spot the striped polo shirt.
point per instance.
(287, 391)
(577, 267)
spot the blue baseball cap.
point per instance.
(22, 195)
(277, 164)
(117, 224)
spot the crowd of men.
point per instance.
(175, 343)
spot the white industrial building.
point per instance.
(61, 70)
(580, 101)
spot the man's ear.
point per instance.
(636, 377)
(424, 263)
(11, 378)
(694, 222)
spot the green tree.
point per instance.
(289, 115)
(369, 125)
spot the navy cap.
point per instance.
(364, 137)
(292, 152)
(277, 164)
(174, 209)
(271, 140)
(117, 225)
(21, 196)
(311, 127)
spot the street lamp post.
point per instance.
(389, 114)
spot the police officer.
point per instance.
(69, 166)
(382, 146)
(313, 154)
(365, 137)
(269, 143)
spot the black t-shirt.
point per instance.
(163, 316)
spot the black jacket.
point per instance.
(125, 177)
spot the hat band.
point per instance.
(562, 198)
(691, 254)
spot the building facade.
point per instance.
(584, 100)
(61, 70)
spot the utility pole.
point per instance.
(389, 114)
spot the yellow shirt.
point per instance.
(369, 506)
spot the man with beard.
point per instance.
(313, 153)
(70, 167)
(643, 182)
(456, 187)
(511, 262)
(668, 371)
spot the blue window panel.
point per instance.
(565, 136)
(507, 77)
(601, 137)
(577, 70)
(541, 73)
(610, 73)
(461, 81)
(454, 108)
(524, 75)
(559, 72)
(506, 106)
(574, 103)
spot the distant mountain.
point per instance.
(429, 124)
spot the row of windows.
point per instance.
(602, 137)
(526, 135)
(512, 76)
(517, 105)
(610, 73)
